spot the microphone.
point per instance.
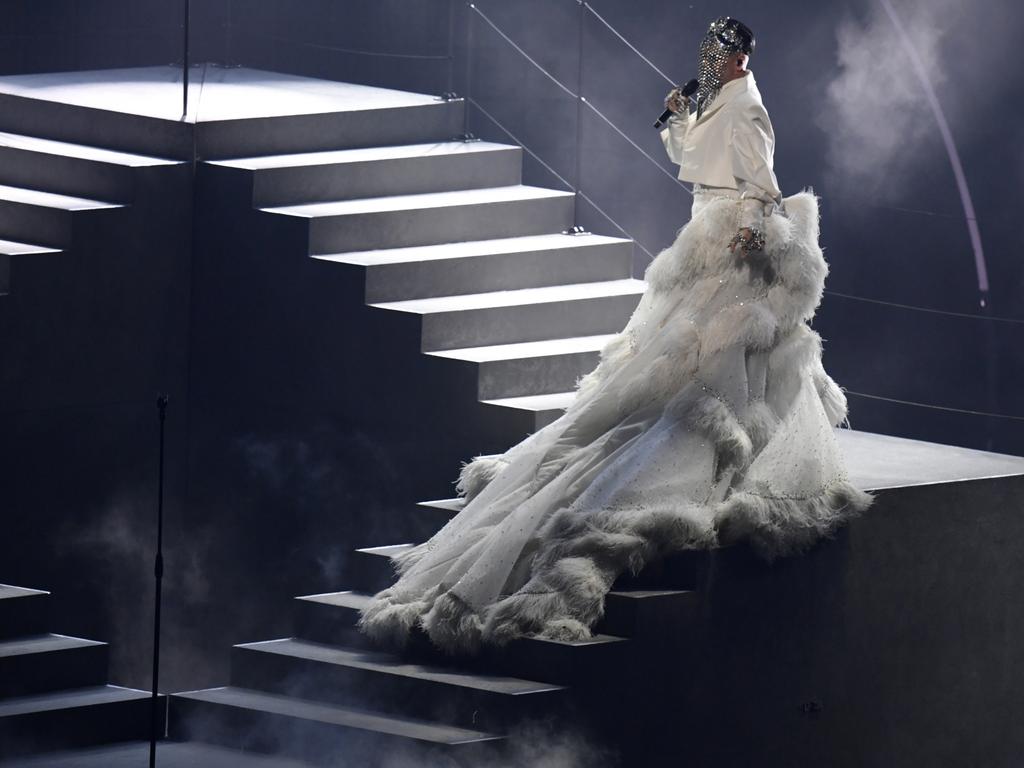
(687, 90)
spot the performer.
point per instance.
(708, 420)
(727, 145)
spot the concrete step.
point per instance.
(30, 113)
(640, 612)
(370, 568)
(316, 731)
(439, 511)
(399, 119)
(686, 570)
(498, 264)
(532, 367)
(23, 612)
(71, 169)
(50, 662)
(233, 111)
(45, 218)
(419, 523)
(15, 248)
(77, 717)
(388, 683)
(525, 314)
(430, 218)
(331, 618)
(10, 252)
(412, 523)
(543, 409)
(346, 174)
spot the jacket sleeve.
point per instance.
(673, 134)
(753, 201)
(753, 147)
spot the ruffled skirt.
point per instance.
(708, 420)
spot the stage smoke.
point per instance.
(881, 131)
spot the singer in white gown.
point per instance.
(708, 420)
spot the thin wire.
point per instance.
(936, 407)
(535, 156)
(569, 91)
(527, 56)
(668, 79)
(451, 46)
(578, 173)
(583, 99)
(358, 51)
(971, 222)
(529, 151)
(632, 47)
(616, 224)
(662, 169)
(926, 309)
(636, 146)
(195, 114)
(559, 176)
(868, 204)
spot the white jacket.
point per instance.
(731, 146)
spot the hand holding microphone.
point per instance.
(677, 100)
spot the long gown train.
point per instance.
(709, 419)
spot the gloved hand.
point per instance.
(676, 102)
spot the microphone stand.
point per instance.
(158, 572)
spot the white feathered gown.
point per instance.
(708, 419)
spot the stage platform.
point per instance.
(215, 93)
(877, 462)
(141, 110)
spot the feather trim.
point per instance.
(452, 624)
(403, 561)
(714, 419)
(760, 422)
(475, 475)
(577, 555)
(832, 397)
(750, 324)
(388, 620)
(777, 526)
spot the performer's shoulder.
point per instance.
(748, 108)
(749, 102)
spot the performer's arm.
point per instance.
(753, 200)
(753, 144)
(674, 132)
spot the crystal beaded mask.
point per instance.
(725, 37)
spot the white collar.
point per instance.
(729, 91)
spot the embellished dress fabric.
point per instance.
(708, 420)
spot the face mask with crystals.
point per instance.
(725, 37)
(709, 72)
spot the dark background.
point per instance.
(274, 473)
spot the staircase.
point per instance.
(444, 234)
(52, 193)
(53, 689)
(326, 693)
